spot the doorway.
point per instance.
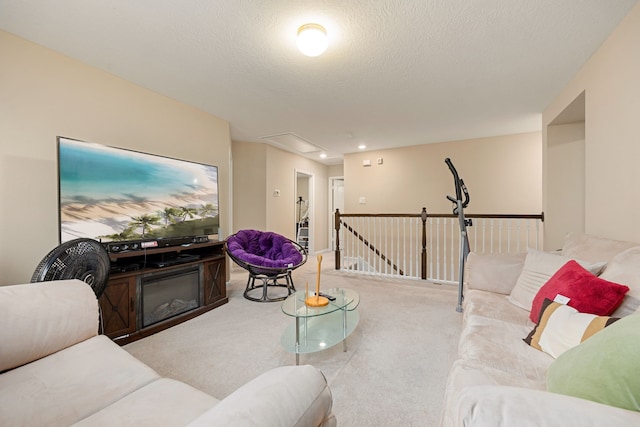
(303, 203)
(336, 201)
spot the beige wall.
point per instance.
(43, 95)
(503, 175)
(612, 134)
(277, 171)
(249, 186)
(336, 170)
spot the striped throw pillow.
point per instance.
(562, 327)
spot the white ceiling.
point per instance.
(396, 73)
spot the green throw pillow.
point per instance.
(605, 368)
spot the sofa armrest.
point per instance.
(513, 406)
(286, 396)
(494, 272)
(38, 319)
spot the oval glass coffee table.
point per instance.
(318, 328)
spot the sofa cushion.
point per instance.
(537, 270)
(625, 268)
(604, 368)
(39, 319)
(69, 385)
(584, 291)
(498, 344)
(491, 406)
(164, 402)
(299, 397)
(493, 306)
(494, 272)
(465, 373)
(593, 248)
(562, 327)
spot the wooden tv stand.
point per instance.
(121, 302)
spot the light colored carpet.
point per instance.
(392, 374)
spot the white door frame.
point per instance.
(332, 209)
(297, 172)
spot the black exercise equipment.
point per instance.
(458, 209)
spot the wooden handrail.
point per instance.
(423, 215)
(539, 216)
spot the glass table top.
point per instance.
(345, 299)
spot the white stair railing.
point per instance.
(426, 246)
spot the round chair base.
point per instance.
(268, 283)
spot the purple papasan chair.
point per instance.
(268, 257)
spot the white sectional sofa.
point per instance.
(499, 380)
(57, 371)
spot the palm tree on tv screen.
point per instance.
(125, 234)
(187, 212)
(169, 215)
(208, 210)
(145, 222)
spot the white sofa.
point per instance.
(57, 371)
(499, 380)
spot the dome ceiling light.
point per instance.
(312, 39)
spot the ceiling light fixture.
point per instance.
(362, 146)
(312, 39)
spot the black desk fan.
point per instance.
(84, 259)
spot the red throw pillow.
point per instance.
(587, 293)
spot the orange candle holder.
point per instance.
(316, 300)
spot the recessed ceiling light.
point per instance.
(312, 39)
(323, 156)
(362, 146)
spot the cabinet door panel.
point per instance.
(118, 307)
(214, 281)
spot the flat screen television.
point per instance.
(115, 195)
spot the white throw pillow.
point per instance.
(562, 327)
(538, 268)
(496, 273)
(624, 268)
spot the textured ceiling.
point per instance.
(396, 73)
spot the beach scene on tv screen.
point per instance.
(111, 194)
